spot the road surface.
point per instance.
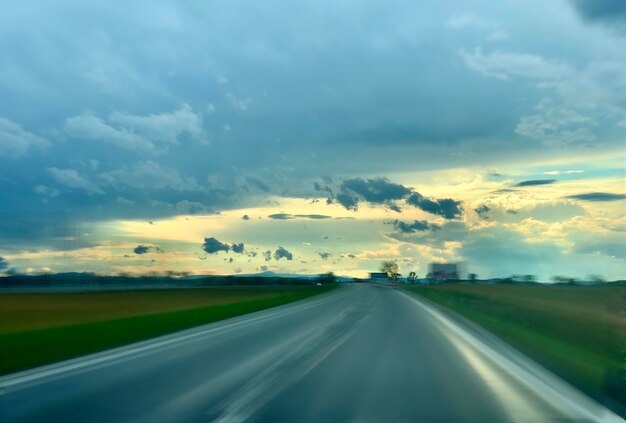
(358, 353)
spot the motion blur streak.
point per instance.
(358, 353)
(490, 357)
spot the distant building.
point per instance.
(378, 277)
(443, 271)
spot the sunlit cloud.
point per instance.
(263, 149)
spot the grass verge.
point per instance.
(577, 332)
(89, 332)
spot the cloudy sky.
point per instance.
(305, 137)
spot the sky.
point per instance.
(210, 137)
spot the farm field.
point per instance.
(36, 329)
(577, 332)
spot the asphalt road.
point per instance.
(358, 353)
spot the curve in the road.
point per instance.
(359, 353)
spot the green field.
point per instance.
(578, 332)
(36, 329)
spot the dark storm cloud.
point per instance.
(597, 196)
(608, 11)
(482, 211)
(313, 216)
(452, 230)
(257, 183)
(374, 191)
(534, 182)
(267, 255)
(212, 245)
(350, 202)
(380, 191)
(325, 255)
(141, 249)
(51, 212)
(287, 216)
(444, 207)
(281, 253)
(238, 248)
(20, 228)
(280, 216)
(323, 188)
(251, 93)
(416, 226)
(4, 267)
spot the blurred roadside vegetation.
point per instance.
(37, 329)
(578, 332)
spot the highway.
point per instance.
(358, 353)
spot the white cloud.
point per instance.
(150, 175)
(583, 101)
(92, 128)
(165, 128)
(46, 191)
(503, 65)
(562, 172)
(70, 178)
(498, 35)
(191, 207)
(38, 271)
(469, 20)
(465, 20)
(557, 125)
(124, 201)
(15, 141)
(144, 134)
(238, 103)
(601, 84)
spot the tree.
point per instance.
(390, 268)
(523, 278)
(472, 277)
(412, 276)
(563, 279)
(596, 279)
(327, 278)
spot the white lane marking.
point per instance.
(552, 389)
(273, 379)
(515, 404)
(230, 376)
(40, 375)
